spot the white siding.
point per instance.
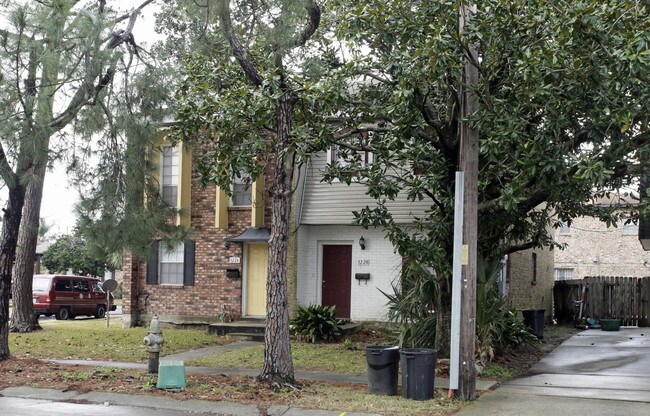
(324, 203)
(379, 259)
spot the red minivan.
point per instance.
(69, 296)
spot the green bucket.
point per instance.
(610, 324)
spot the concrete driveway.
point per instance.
(595, 373)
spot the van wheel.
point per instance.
(63, 314)
(101, 311)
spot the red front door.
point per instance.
(337, 277)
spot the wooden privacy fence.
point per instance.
(624, 298)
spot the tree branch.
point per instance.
(238, 50)
(87, 91)
(7, 174)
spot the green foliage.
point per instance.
(70, 252)
(496, 371)
(81, 339)
(563, 113)
(411, 306)
(315, 323)
(306, 356)
(496, 325)
(121, 207)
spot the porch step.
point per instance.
(248, 326)
(246, 336)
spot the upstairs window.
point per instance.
(565, 228)
(242, 191)
(169, 175)
(630, 228)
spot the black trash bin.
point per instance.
(418, 372)
(534, 319)
(382, 369)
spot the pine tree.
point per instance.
(57, 58)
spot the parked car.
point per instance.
(69, 296)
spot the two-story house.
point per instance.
(342, 264)
(222, 270)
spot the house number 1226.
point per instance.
(363, 262)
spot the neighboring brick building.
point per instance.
(595, 250)
(529, 280)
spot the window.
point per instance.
(172, 267)
(97, 287)
(171, 264)
(169, 175)
(81, 286)
(336, 155)
(565, 228)
(563, 274)
(62, 286)
(630, 228)
(534, 267)
(242, 191)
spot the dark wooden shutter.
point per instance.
(152, 264)
(188, 263)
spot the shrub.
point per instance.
(315, 323)
(411, 306)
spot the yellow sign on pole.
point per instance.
(464, 255)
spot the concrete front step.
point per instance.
(247, 327)
(246, 336)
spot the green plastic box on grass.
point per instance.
(171, 375)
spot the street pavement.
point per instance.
(596, 373)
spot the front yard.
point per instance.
(91, 339)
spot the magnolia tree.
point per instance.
(564, 112)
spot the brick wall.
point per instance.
(595, 250)
(212, 291)
(525, 292)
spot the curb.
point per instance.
(163, 403)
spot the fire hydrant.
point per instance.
(154, 342)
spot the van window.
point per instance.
(97, 287)
(63, 285)
(81, 286)
(41, 284)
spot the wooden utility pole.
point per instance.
(468, 165)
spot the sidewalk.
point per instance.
(439, 382)
(597, 373)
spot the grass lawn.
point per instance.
(306, 357)
(91, 339)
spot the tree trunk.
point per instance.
(278, 365)
(10, 227)
(24, 318)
